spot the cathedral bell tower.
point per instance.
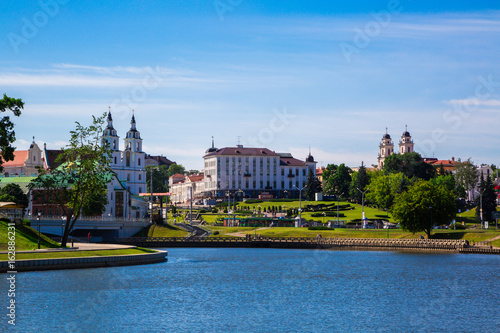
(406, 144)
(386, 148)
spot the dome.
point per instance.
(386, 136)
(310, 158)
(210, 150)
(406, 134)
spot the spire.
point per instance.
(213, 141)
(109, 114)
(132, 122)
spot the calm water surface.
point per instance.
(268, 290)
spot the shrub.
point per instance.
(216, 233)
(320, 228)
(327, 214)
(252, 201)
(202, 211)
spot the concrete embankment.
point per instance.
(83, 262)
(376, 244)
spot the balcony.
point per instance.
(247, 175)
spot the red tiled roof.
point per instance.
(20, 157)
(443, 162)
(177, 175)
(290, 161)
(240, 151)
(51, 158)
(196, 178)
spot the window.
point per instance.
(282, 184)
(128, 177)
(111, 195)
(140, 189)
(115, 159)
(140, 176)
(297, 172)
(282, 172)
(139, 161)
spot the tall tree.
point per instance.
(360, 181)
(384, 188)
(466, 175)
(488, 201)
(7, 134)
(79, 184)
(423, 206)
(313, 186)
(337, 180)
(410, 164)
(14, 193)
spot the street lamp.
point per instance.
(38, 222)
(234, 210)
(480, 206)
(228, 194)
(300, 202)
(362, 206)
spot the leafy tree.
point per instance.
(313, 186)
(423, 206)
(14, 193)
(337, 180)
(7, 134)
(466, 175)
(410, 164)
(176, 168)
(79, 184)
(360, 180)
(384, 188)
(487, 189)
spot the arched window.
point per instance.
(128, 159)
(139, 161)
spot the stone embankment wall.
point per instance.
(84, 262)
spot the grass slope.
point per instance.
(77, 254)
(165, 230)
(26, 238)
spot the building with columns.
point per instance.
(129, 170)
(386, 146)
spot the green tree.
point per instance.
(384, 188)
(14, 193)
(79, 184)
(176, 168)
(360, 180)
(487, 190)
(423, 206)
(410, 164)
(7, 134)
(337, 180)
(313, 186)
(466, 175)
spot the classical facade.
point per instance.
(386, 147)
(129, 170)
(254, 171)
(25, 162)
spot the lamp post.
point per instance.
(151, 189)
(362, 206)
(62, 227)
(481, 206)
(228, 194)
(300, 202)
(234, 216)
(38, 222)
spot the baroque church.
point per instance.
(386, 147)
(130, 173)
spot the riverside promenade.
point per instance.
(376, 244)
(25, 265)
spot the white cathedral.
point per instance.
(130, 173)
(386, 147)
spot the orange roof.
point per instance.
(20, 157)
(196, 178)
(443, 162)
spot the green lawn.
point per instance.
(166, 230)
(75, 254)
(26, 238)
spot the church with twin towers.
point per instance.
(386, 147)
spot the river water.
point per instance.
(268, 290)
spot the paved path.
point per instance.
(242, 234)
(80, 247)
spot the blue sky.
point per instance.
(280, 74)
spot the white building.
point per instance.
(254, 171)
(386, 147)
(130, 173)
(181, 186)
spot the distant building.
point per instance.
(158, 160)
(448, 165)
(254, 171)
(181, 187)
(386, 147)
